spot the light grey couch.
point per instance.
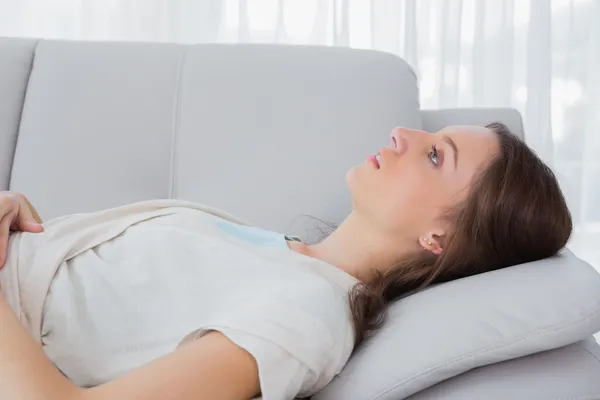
(264, 132)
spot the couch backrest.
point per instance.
(265, 132)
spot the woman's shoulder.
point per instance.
(314, 306)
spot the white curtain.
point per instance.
(539, 56)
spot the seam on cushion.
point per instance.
(591, 354)
(594, 312)
(18, 131)
(595, 396)
(176, 117)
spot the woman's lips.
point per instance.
(374, 160)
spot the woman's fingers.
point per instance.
(25, 221)
(14, 214)
(32, 227)
(4, 232)
(7, 205)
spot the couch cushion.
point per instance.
(268, 132)
(16, 56)
(457, 326)
(97, 125)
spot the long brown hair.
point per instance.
(514, 213)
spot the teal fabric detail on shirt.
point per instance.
(253, 235)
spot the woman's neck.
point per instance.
(354, 247)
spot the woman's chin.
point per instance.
(357, 179)
(351, 177)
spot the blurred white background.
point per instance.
(539, 56)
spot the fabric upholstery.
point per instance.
(16, 57)
(97, 134)
(464, 324)
(287, 125)
(536, 377)
(171, 121)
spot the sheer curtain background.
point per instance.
(539, 56)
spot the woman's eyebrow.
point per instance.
(449, 140)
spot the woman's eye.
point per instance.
(433, 155)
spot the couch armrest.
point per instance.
(568, 372)
(434, 120)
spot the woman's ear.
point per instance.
(433, 241)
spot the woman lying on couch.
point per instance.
(174, 300)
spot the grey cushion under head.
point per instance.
(457, 326)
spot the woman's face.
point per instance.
(418, 176)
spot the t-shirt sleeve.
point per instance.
(281, 375)
(299, 345)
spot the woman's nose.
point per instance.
(403, 138)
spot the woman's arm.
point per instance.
(25, 372)
(211, 368)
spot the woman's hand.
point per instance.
(15, 214)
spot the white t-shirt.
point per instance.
(175, 275)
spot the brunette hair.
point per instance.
(514, 213)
